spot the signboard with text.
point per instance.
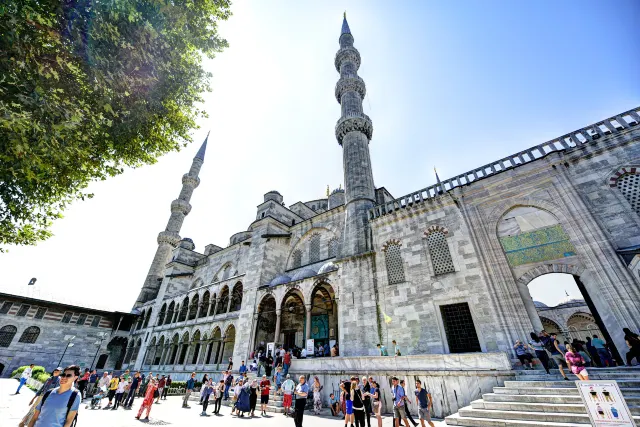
(605, 405)
(310, 347)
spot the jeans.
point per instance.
(285, 370)
(605, 357)
(164, 392)
(226, 391)
(129, 400)
(185, 401)
(118, 399)
(205, 404)
(299, 405)
(217, 404)
(544, 359)
(22, 382)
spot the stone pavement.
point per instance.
(168, 412)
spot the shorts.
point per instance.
(264, 399)
(559, 359)
(523, 357)
(424, 414)
(582, 372)
(398, 412)
(349, 407)
(287, 400)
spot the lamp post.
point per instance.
(68, 338)
(102, 336)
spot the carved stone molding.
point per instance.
(180, 206)
(436, 228)
(192, 181)
(355, 84)
(354, 123)
(394, 242)
(169, 237)
(347, 54)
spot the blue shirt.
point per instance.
(302, 388)
(278, 377)
(398, 394)
(51, 383)
(334, 400)
(597, 343)
(54, 411)
(242, 369)
(191, 384)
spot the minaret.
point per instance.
(353, 131)
(170, 237)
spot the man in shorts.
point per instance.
(398, 402)
(265, 386)
(423, 399)
(553, 345)
(287, 389)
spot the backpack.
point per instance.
(72, 399)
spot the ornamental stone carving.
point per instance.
(355, 84)
(192, 181)
(347, 54)
(358, 122)
(169, 237)
(181, 206)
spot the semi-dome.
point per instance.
(571, 299)
(327, 267)
(280, 280)
(187, 243)
(539, 304)
(304, 273)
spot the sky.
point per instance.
(453, 84)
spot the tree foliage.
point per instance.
(88, 87)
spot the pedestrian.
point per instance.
(278, 357)
(334, 405)
(358, 404)
(166, 387)
(268, 367)
(396, 348)
(219, 394)
(523, 355)
(93, 382)
(228, 381)
(230, 366)
(366, 393)
(334, 351)
(374, 392)
(288, 387)
(161, 385)
(633, 342)
(424, 402)
(302, 390)
(536, 344)
(398, 402)
(253, 397)
(83, 382)
(59, 406)
(265, 386)
(317, 396)
(207, 389)
(407, 402)
(382, 349)
(243, 368)
(286, 363)
(345, 387)
(127, 375)
(205, 379)
(303, 353)
(26, 374)
(141, 387)
(133, 389)
(236, 394)
(119, 392)
(277, 378)
(602, 351)
(553, 346)
(595, 360)
(103, 383)
(576, 363)
(113, 388)
(52, 382)
(147, 403)
(191, 383)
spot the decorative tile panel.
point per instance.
(535, 246)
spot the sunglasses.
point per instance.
(68, 375)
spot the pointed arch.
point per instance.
(151, 349)
(184, 310)
(193, 307)
(439, 252)
(162, 314)
(393, 261)
(196, 344)
(212, 306)
(236, 297)
(223, 301)
(147, 318)
(204, 305)
(6, 335)
(170, 313)
(184, 348)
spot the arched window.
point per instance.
(628, 183)
(184, 310)
(226, 272)
(333, 247)
(147, 318)
(30, 335)
(224, 300)
(204, 306)
(393, 260)
(236, 297)
(193, 307)
(297, 258)
(439, 251)
(314, 248)
(163, 312)
(6, 335)
(170, 313)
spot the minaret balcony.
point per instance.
(169, 237)
(191, 181)
(354, 122)
(346, 84)
(181, 206)
(347, 54)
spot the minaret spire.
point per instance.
(170, 237)
(439, 187)
(353, 131)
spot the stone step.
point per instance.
(558, 377)
(521, 384)
(574, 408)
(555, 390)
(632, 399)
(562, 417)
(457, 420)
(617, 370)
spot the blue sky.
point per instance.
(452, 84)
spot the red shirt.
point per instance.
(287, 358)
(264, 387)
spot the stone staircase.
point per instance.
(537, 399)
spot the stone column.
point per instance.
(530, 306)
(229, 303)
(308, 324)
(277, 335)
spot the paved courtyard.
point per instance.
(13, 407)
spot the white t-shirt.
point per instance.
(26, 373)
(121, 386)
(303, 353)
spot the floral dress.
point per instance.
(317, 398)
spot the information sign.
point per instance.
(605, 404)
(310, 347)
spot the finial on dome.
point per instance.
(203, 148)
(345, 25)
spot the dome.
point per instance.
(327, 267)
(187, 243)
(280, 280)
(571, 299)
(539, 304)
(304, 273)
(338, 190)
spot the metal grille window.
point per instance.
(30, 335)
(24, 309)
(5, 307)
(459, 328)
(393, 259)
(6, 335)
(40, 313)
(297, 259)
(629, 186)
(96, 321)
(67, 317)
(314, 248)
(81, 319)
(440, 255)
(333, 247)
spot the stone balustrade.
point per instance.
(570, 140)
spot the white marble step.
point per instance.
(457, 420)
(547, 398)
(562, 417)
(520, 384)
(574, 408)
(569, 390)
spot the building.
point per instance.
(443, 270)
(38, 331)
(570, 319)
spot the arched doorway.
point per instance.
(161, 350)
(266, 322)
(102, 361)
(216, 345)
(552, 327)
(228, 344)
(293, 320)
(324, 316)
(582, 325)
(117, 348)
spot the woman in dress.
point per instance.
(576, 363)
(317, 397)
(537, 346)
(152, 386)
(253, 397)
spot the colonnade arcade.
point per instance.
(287, 315)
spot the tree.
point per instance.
(88, 87)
